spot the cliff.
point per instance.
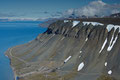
(70, 50)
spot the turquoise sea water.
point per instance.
(12, 34)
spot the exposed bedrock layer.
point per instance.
(69, 51)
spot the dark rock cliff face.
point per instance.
(67, 52)
(117, 15)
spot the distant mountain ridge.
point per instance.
(73, 16)
(4, 20)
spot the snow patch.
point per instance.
(103, 45)
(110, 72)
(80, 51)
(110, 26)
(67, 59)
(93, 23)
(81, 65)
(65, 21)
(75, 23)
(86, 39)
(79, 56)
(105, 63)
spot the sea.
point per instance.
(15, 33)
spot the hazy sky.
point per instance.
(40, 8)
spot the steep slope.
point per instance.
(69, 50)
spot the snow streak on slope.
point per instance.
(103, 45)
(67, 59)
(112, 43)
(62, 38)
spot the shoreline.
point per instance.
(14, 73)
(15, 76)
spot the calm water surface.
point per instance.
(12, 34)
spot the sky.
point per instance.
(34, 9)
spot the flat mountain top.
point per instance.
(70, 50)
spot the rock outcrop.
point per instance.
(117, 15)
